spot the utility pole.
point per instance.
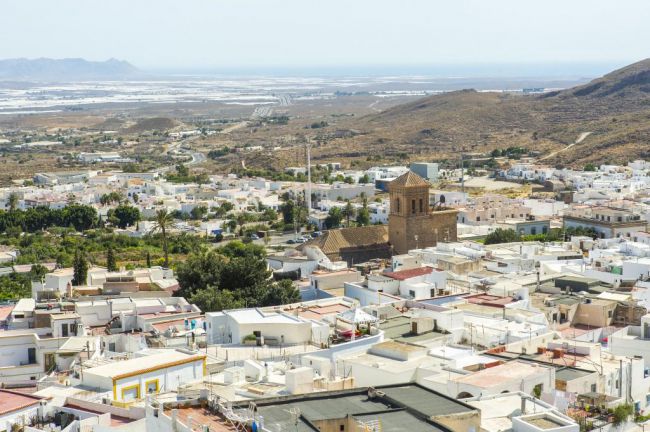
(462, 172)
(308, 194)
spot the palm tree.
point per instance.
(163, 222)
(348, 212)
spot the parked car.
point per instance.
(316, 234)
(255, 237)
(291, 241)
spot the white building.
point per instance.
(133, 379)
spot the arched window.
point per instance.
(413, 206)
(397, 205)
(421, 206)
(442, 199)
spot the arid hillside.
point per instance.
(614, 109)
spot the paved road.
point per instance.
(197, 157)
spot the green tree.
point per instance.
(281, 292)
(80, 269)
(287, 209)
(14, 287)
(182, 171)
(363, 217)
(124, 215)
(501, 235)
(348, 212)
(148, 259)
(162, 224)
(232, 225)
(334, 218)
(199, 212)
(12, 202)
(269, 215)
(111, 198)
(81, 217)
(224, 208)
(199, 271)
(238, 249)
(589, 167)
(244, 275)
(111, 262)
(364, 179)
(38, 272)
(212, 300)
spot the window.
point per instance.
(412, 293)
(533, 230)
(397, 202)
(49, 362)
(341, 428)
(413, 206)
(421, 206)
(130, 393)
(64, 330)
(31, 355)
(152, 386)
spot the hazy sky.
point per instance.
(189, 34)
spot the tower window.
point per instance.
(413, 206)
(421, 206)
(397, 202)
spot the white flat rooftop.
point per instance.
(254, 315)
(141, 364)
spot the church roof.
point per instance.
(409, 178)
(332, 241)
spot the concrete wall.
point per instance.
(620, 344)
(366, 296)
(519, 424)
(20, 417)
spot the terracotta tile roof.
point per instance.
(13, 401)
(410, 273)
(5, 311)
(202, 417)
(332, 241)
(409, 178)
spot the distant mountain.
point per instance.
(69, 69)
(615, 109)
